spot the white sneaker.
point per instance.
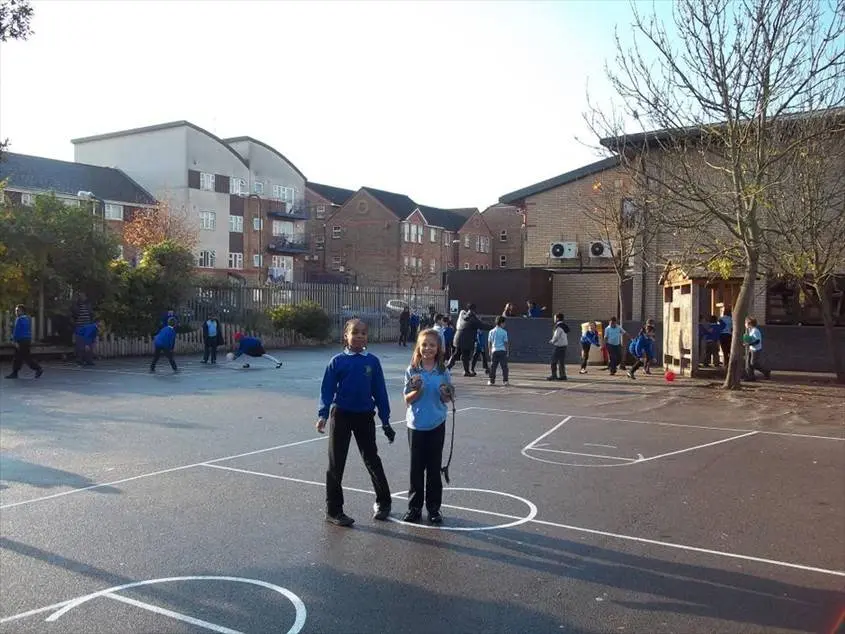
(582, 372)
(490, 383)
(505, 383)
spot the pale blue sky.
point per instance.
(451, 103)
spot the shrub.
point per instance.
(307, 319)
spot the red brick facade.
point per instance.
(506, 223)
(475, 250)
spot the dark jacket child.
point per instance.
(164, 343)
(480, 351)
(22, 338)
(251, 347)
(413, 326)
(466, 331)
(588, 339)
(404, 326)
(88, 339)
(353, 387)
(560, 341)
(650, 358)
(448, 336)
(642, 349)
(212, 337)
(713, 331)
(428, 387)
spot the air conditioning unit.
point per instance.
(563, 250)
(600, 249)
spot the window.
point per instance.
(281, 228)
(419, 264)
(320, 242)
(287, 194)
(208, 220)
(238, 186)
(446, 238)
(236, 224)
(503, 261)
(466, 242)
(477, 267)
(28, 200)
(336, 262)
(336, 231)
(236, 260)
(478, 244)
(407, 262)
(257, 224)
(629, 213)
(113, 212)
(207, 259)
(74, 202)
(420, 231)
(278, 261)
(207, 181)
(257, 260)
(432, 266)
(503, 235)
(406, 232)
(258, 188)
(320, 211)
(433, 234)
(466, 266)
(676, 315)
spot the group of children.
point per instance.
(353, 388)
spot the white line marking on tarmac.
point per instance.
(592, 531)
(174, 615)
(641, 422)
(548, 433)
(709, 444)
(589, 455)
(595, 444)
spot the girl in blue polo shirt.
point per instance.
(428, 387)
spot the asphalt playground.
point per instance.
(139, 503)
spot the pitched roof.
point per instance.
(399, 204)
(563, 179)
(449, 219)
(335, 195)
(270, 148)
(155, 128)
(64, 177)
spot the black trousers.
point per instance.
(23, 354)
(500, 357)
(482, 353)
(614, 355)
(210, 349)
(559, 362)
(426, 458)
(463, 352)
(403, 335)
(342, 427)
(754, 361)
(167, 352)
(585, 355)
(725, 344)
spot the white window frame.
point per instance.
(446, 239)
(320, 211)
(466, 266)
(208, 220)
(466, 241)
(207, 181)
(503, 235)
(257, 224)
(432, 266)
(238, 186)
(27, 199)
(503, 261)
(320, 242)
(236, 224)
(278, 228)
(257, 260)
(336, 232)
(337, 262)
(406, 231)
(236, 261)
(407, 263)
(210, 259)
(258, 188)
(433, 234)
(420, 231)
(478, 244)
(277, 261)
(277, 192)
(113, 211)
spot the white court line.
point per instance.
(642, 422)
(548, 433)
(709, 444)
(174, 615)
(595, 444)
(581, 529)
(589, 455)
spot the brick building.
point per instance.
(506, 223)
(323, 202)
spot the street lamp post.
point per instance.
(260, 233)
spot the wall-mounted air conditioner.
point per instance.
(563, 250)
(600, 249)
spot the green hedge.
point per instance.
(307, 319)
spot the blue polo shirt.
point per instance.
(428, 411)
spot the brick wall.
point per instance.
(585, 295)
(508, 219)
(469, 255)
(427, 251)
(800, 348)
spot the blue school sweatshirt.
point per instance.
(89, 333)
(247, 344)
(642, 346)
(23, 329)
(591, 338)
(354, 381)
(166, 338)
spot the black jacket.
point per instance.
(220, 341)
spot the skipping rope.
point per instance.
(445, 470)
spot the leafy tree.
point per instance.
(307, 319)
(15, 17)
(159, 224)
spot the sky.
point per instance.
(452, 103)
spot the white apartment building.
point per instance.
(246, 197)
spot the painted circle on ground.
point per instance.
(298, 605)
(532, 513)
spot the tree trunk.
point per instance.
(41, 310)
(733, 373)
(827, 319)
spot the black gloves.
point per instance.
(388, 431)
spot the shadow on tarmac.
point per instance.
(16, 470)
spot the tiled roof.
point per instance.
(563, 179)
(335, 195)
(64, 177)
(399, 204)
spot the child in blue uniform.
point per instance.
(642, 348)
(164, 343)
(428, 387)
(251, 347)
(353, 386)
(588, 339)
(22, 337)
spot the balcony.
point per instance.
(288, 243)
(281, 210)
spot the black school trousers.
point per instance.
(426, 457)
(343, 425)
(23, 354)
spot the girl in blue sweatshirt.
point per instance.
(353, 386)
(428, 387)
(22, 338)
(642, 348)
(164, 343)
(251, 347)
(589, 338)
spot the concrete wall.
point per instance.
(270, 169)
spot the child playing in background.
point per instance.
(438, 327)
(164, 343)
(711, 341)
(642, 348)
(251, 347)
(22, 338)
(560, 341)
(353, 386)
(448, 336)
(498, 341)
(613, 340)
(89, 333)
(428, 387)
(588, 339)
(480, 351)
(753, 340)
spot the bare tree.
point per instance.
(15, 18)
(806, 216)
(714, 89)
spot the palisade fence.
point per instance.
(245, 309)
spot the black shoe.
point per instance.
(435, 517)
(341, 519)
(38, 373)
(563, 378)
(13, 375)
(467, 374)
(551, 378)
(381, 511)
(412, 515)
(152, 370)
(630, 375)
(204, 361)
(278, 365)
